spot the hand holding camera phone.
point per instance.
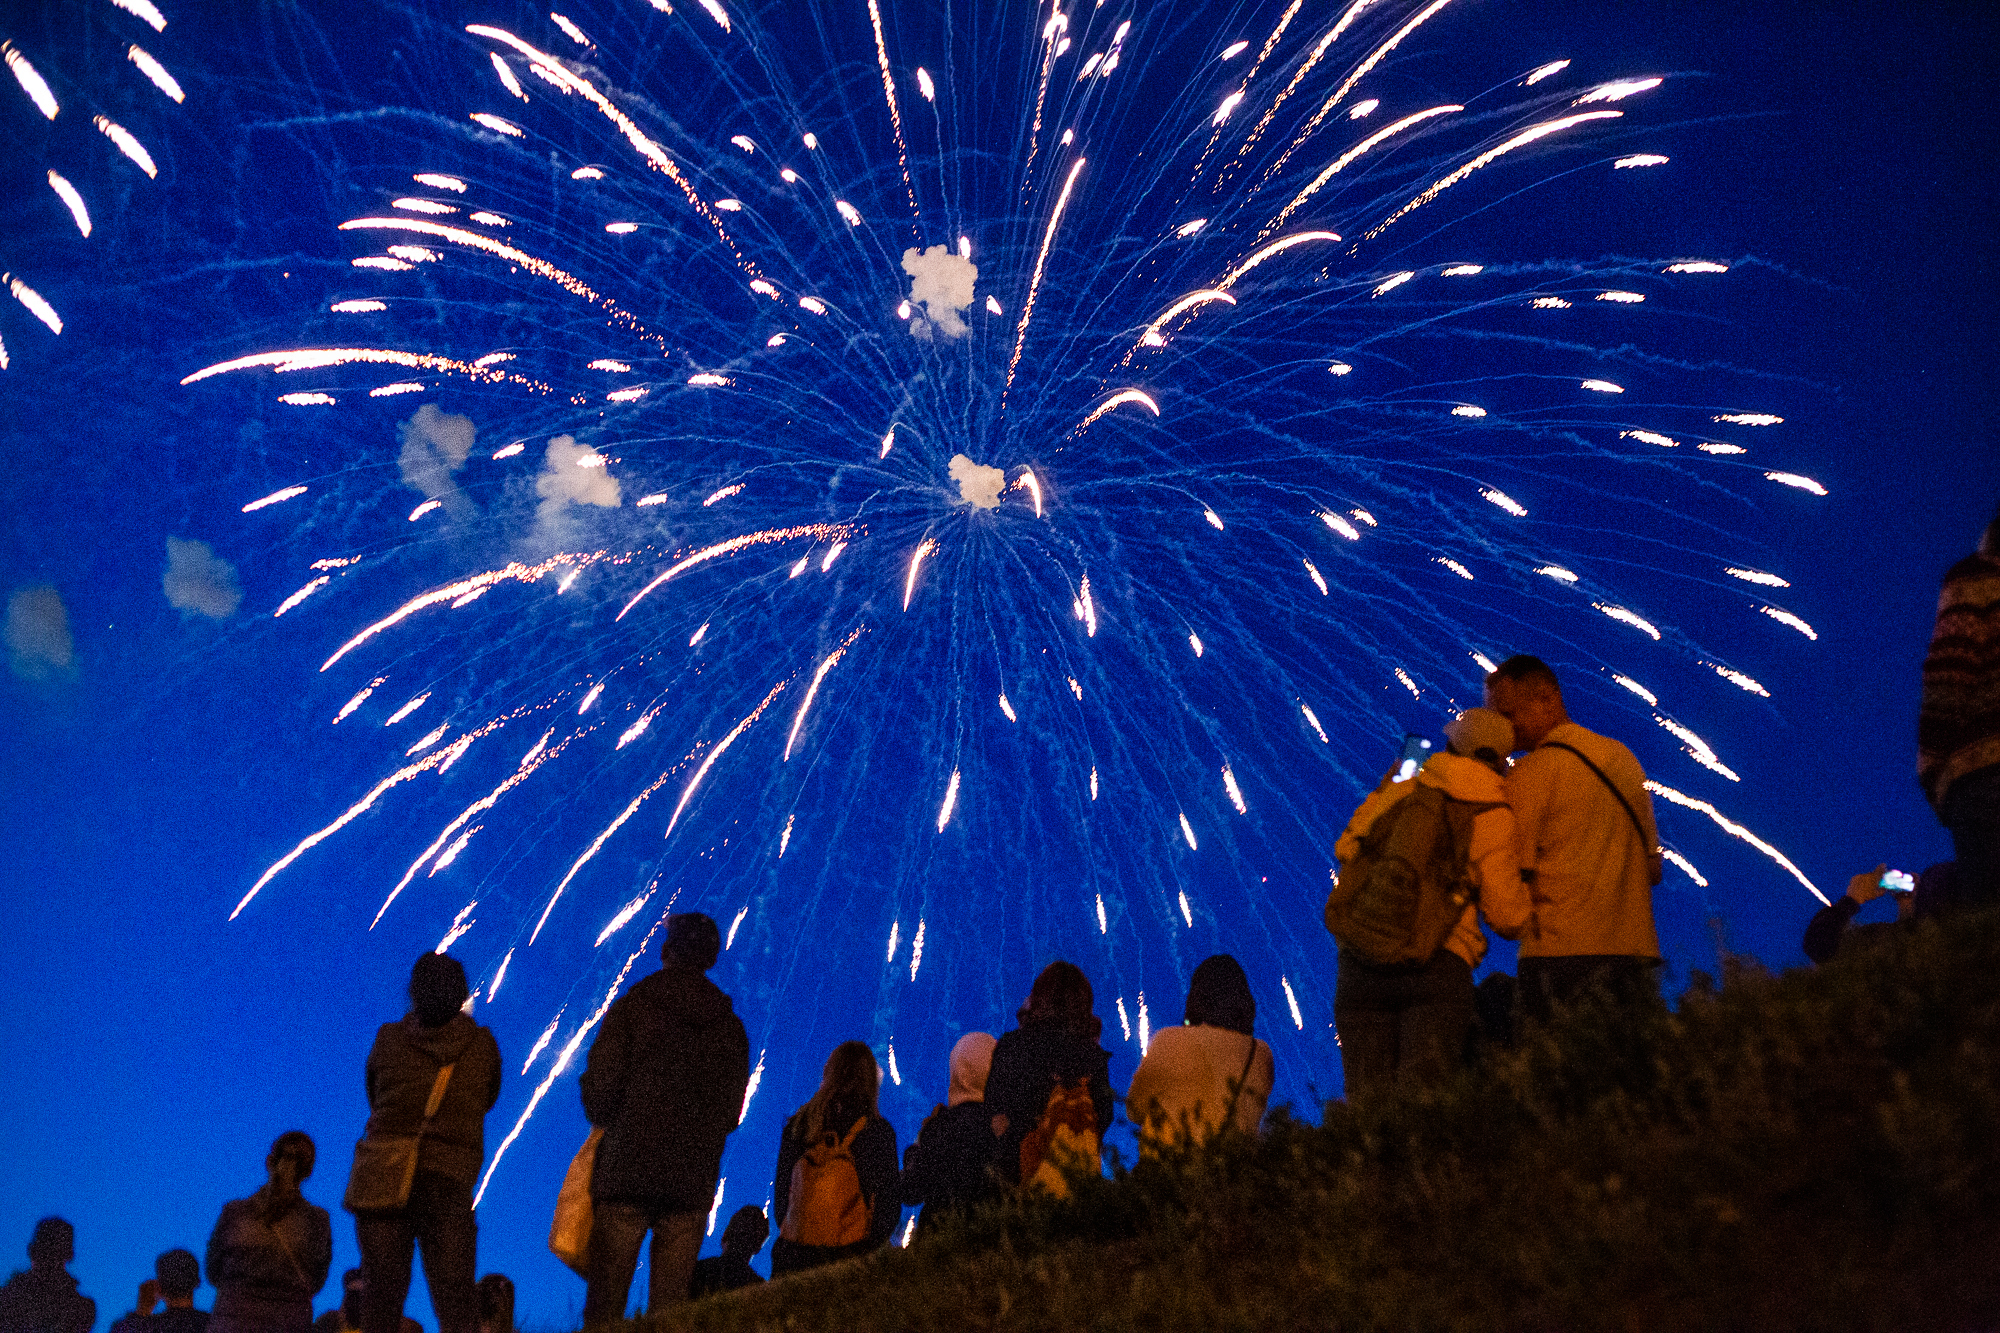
(1415, 750)
(1899, 881)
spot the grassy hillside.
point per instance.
(1818, 1150)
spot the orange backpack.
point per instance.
(1065, 1135)
(827, 1207)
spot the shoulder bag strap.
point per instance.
(279, 1236)
(1630, 813)
(1236, 1093)
(438, 1085)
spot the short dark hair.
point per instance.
(1219, 995)
(438, 988)
(693, 940)
(1521, 668)
(178, 1273)
(54, 1239)
(747, 1230)
(298, 1145)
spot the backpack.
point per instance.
(1400, 896)
(827, 1207)
(1065, 1135)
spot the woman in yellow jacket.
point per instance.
(1407, 1023)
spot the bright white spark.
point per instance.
(68, 194)
(1276, 247)
(1187, 831)
(924, 548)
(696, 637)
(1214, 519)
(1124, 1022)
(993, 306)
(1365, 517)
(1194, 642)
(637, 729)
(1394, 281)
(1698, 749)
(1504, 501)
(1603, 386)
(1103, 925)
(428, 740)
(1651, 437)
(785, 838)
(950, 800)
(1093, 782)
(1525, 137)
(1008, 709)
(1686, 866)
(391, 390)
(590, 698)
(1462, 270)
(1312, 570)
(1409, 684)
(1738, 679)
(347, 708)
(1735, 829)
(1621, 298)
(1235, 792)
(1033, 486)
(38, 307)
(1362, 110)
(1620, 614)
(687, 793)
(430, 206)
(1485, 663)
(1751, 419)
(1089, 607)
(145, 11)
(750, 1088)
(1154, 337)
(1468, 410)
(1795, 480)
(1638, 689)
(1453, 566)
(1341, 526)
(1227, 105)
(1549, 303)
(925, 86)
(1312, 720)
(917, 950)
(625, 914)
(812, 692)
(1187, 229)
(1618, 92)
(847, 211)
(541, 1042)
(832, 554)
(1713, 448)
(1075, 688)
(362, 307)
(1756, 576)
(1035, 279)
(570, 30)
(507, 79)
(895, 938)
(301, 595)
(1187, 913)
(1233, 50)
(407, 709)
(500, 975)
(1787, 618)
(1341, 368)
(1696, 266)
(276, 497)
(31, 81)
(1558, 573)
(1553, 67)
(1298, 1021)
(324, 400)
(497, 125)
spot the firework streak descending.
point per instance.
(1015, 508)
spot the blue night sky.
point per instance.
(1835, 157)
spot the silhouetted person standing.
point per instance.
(404, 1067)
(43, 1298)
(664, 1081)
(1587, 847)
(1958, 725)
(269, 1253)
(177, 1273)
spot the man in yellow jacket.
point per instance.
(1407, 1023)
(1587, 847)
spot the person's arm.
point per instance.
(603, 1081)
(491, 1045)
(1656, 864)
(781, 1180)
(1528, 790)
(1364, 818)
(214, 1266)
(1503, 896)
(875, 1163)
(317, 1260)
(919, 1175)
(1142, 1096)
(736, 1077)
(1824, 931)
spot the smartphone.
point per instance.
(1899, 881)
(1415, 750)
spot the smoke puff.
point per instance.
(978, 484)
(38, 638)
(572, 473)
(435, 445)
(199, 581)
(941, 282)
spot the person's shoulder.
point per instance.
(1974, 568)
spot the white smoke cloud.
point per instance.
(435, 445)
(38, 638)
(978, 484)
(941, 283)
(572, 473)
(200, 582)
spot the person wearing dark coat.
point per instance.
(269, 1254)
(176, 1274)
(43, 1298)
(731, 1270)
(1055, 1044)
(843, 1110)
(403, 1068)
(951, 1163)
(665, 1081)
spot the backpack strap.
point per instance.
(1630, 813)
(852, 1134)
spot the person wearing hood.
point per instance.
(43, 1298)
(951, 1163)
(1211, 1073)
(1407, 1023)
(269, 1254)
(665, 1082)
(403, 1071)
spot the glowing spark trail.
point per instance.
(1787, 618)
(950, 799)
(1298, 1020)
(821, 531)
(1525, 137)
(275, 497)
(128, 144)
(687, 793)
(71, 199)
(924, 548)
(1349, 157)
(889, 93)
(303, 593)
(145, 11)
(32, 299)
(812, 691)
(1631, 618)
(1035, 282)
(1736, 830)
(594, 848)
(624, 915)
(31, 81)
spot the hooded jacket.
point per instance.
(1502, 895)
(665, 1081)
(401, 1068)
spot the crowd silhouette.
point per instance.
(1556, 849)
